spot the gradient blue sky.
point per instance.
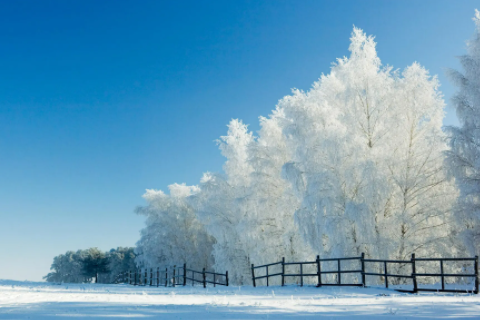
(100, 100)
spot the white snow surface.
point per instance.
(39, 300)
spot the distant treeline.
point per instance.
(84, 266)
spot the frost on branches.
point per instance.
(173, 234)
(464, 157)
(353, 165)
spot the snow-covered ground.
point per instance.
(37, 300)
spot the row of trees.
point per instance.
(359, 163)
(84, 266)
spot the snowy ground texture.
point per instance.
(36, 300)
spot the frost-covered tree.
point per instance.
(94, 263)
(464, 157)
(67, 268)
(222, 204)
(368, 158)
(172, 234)
(120, 260)
(83, 266)
(250, 209)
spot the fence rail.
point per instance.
(176, 276)
(363, 273)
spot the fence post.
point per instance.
(151, 276)
(283, 271)
(135, 278)
(301, 275)
(204, 278)
(253, 275)
(267, 275)
(362, 260)
(441, 272)
(158, 276)
(415, 288)
(339, 274)
(184, 274)
(386, 277)
(226, 277)
(145, 279)
(174, 279)
(319, 275)
(166, 276)
(214, 278)
(129, 276)
(476, 274)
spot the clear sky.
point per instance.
(100, 100)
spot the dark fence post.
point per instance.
(226, 277)
(362, 260)
(442, 277)
(283, 271)
(204, 278)
(253, 275)
(184, 274)
(158, 276)
(174, 279)
(145, 279)
(476, 274)
(166, 276)
(339, 274)
(415, 288)
(151, 276)
(386, 277)
(319, 275)
(135, 278)
(267, 275)
(301, 275)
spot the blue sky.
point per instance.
(100, 100)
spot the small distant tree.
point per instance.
(120, 260)
(94, 262)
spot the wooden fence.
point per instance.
(178, 275)
(362, 272)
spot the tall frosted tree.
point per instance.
(250, 209)
(464, 157)
(223, 204)
(367, 162)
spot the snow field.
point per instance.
(36, 300)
